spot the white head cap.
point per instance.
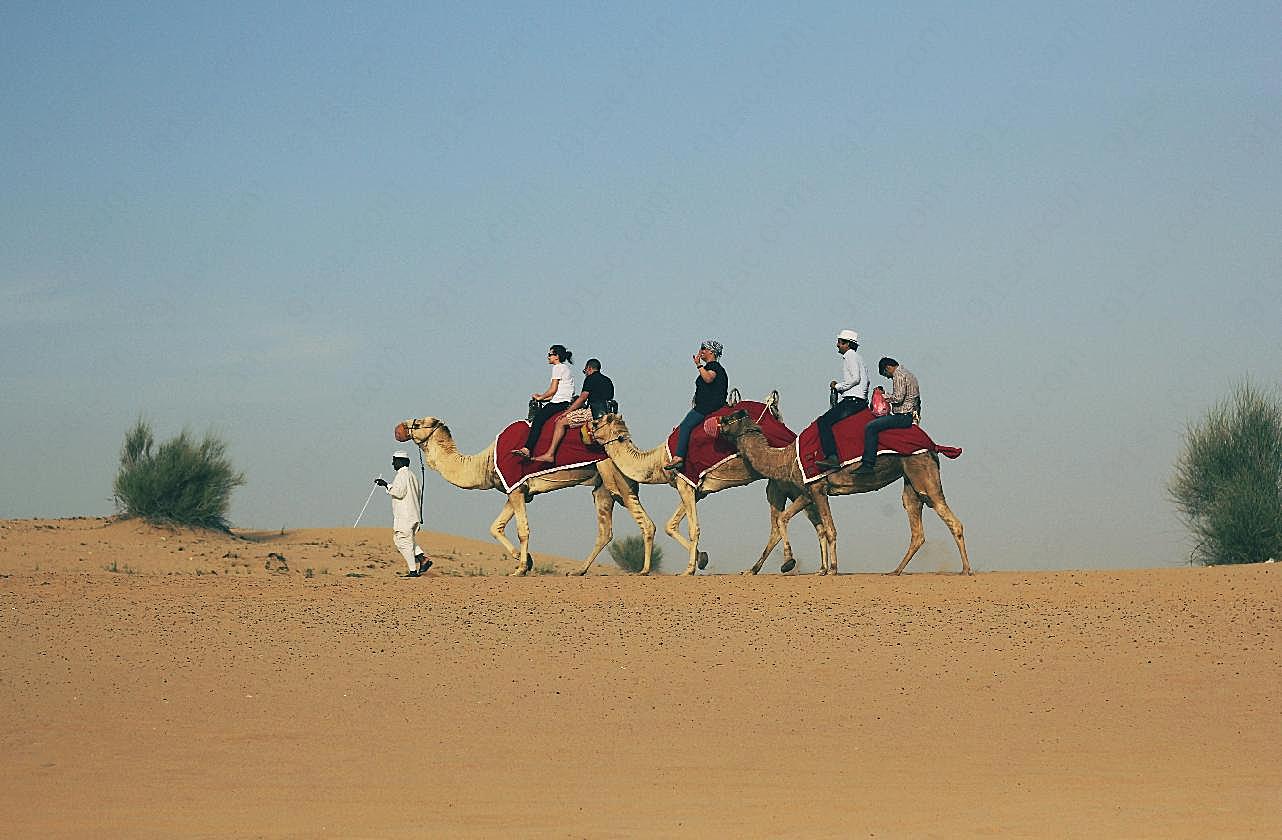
(848, 335)
(401, 453)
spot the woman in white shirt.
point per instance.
(560, 393)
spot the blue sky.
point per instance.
(296, 225)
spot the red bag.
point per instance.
(879, 405)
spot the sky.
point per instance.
(294, 225)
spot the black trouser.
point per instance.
(875, 427)
(536, 425)
(843, 409)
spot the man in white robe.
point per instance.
(407, 495)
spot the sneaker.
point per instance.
(866, 468)
(832, 462)
(423, 563)
(414, 573)
(674, 465)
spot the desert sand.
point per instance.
(164, 683)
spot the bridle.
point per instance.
(592, 433)
(415, 425)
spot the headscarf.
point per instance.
(714, 346)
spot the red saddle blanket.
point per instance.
(515, 470)
(849, 434)
(706, 452)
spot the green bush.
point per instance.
(1228, 481)
(182, 482)
(629, 554)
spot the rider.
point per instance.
(905, 406)
(597, 393)
(854, 390)
(559, 392)
(710, 391)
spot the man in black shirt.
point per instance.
(597, 394)
(710, 389)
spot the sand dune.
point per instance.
(162, 700)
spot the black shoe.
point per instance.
(423, 563)
(866, 468)
(414, 573)
(832, 462)
(675, 465)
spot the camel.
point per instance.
(921, 486)
(646, 467)
(477, 472)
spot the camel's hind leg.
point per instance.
(924, 484)
(913, 506)
(516, 501)
(500, 523)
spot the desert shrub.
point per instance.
(1228, 480)
(629, 554)
(182, 481)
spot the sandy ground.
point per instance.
(165, 684)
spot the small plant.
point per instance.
(307, 573)
(181, 482)
(1228, 480)
(629, 554)
(544, 569)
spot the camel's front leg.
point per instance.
(689, 501)
(632, 502)
(778, 500)
(604, 524)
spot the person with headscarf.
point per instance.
(710, 389)
(407, 496)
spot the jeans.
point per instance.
(536, 425)
(843, 409)
(687, 426)
(875, 428)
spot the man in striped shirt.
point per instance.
(905, 409)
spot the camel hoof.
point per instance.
(703, 559)
(788, 566)
(823, 571)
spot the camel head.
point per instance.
(417, 430)
(736, 424)
(607, 428)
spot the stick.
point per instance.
(367, 498)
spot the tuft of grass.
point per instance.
(544, 569)
(181, 481)
(629, 554)
(307, 573)
(1228, 480)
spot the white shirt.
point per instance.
(565, 386)
(854, 376)
(406, 492)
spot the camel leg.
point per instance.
(827, 529)
(604, 524)
(925, 478)
(779, 516)
(500, 523)
(688, 512)
(633, 503)
(913, 505)
(523, 562)
(954, 525)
